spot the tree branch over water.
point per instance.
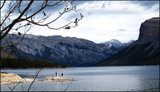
(34, 80)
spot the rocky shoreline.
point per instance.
(11, 78)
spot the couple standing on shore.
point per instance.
(57, 74)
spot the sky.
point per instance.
(103, 20)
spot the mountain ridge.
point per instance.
(62, 50)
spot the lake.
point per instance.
(109, 78)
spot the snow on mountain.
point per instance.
(115, 44)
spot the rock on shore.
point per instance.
(11, 78)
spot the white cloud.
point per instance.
(102, 21)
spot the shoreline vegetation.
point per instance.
(7, 64)
(35, 68)
(21, 63)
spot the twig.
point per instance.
(12, 89)
(68, 86)
(33, 80)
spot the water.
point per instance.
(110, 78)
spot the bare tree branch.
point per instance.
(16, 20)
(10, 11)
(15, 86)
(68, 86)
(21, 15)
(3, 4)
(34, 80)
(10, 43)
(44, 5)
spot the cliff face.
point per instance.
(149, 30)
(143, 51)
(150, 33)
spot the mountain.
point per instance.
(62, 50)
(143, 51)
(116, 45)
(5, 54)
(127, 44)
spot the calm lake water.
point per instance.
(110, 78)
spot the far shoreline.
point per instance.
(35, 68)
(72, 67)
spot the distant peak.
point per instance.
(114, 40)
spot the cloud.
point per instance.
(103, 20)
(121, 30)
(147, 4)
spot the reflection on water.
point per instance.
(113, 78)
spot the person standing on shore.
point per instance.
(56, 74)
(62, 74)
